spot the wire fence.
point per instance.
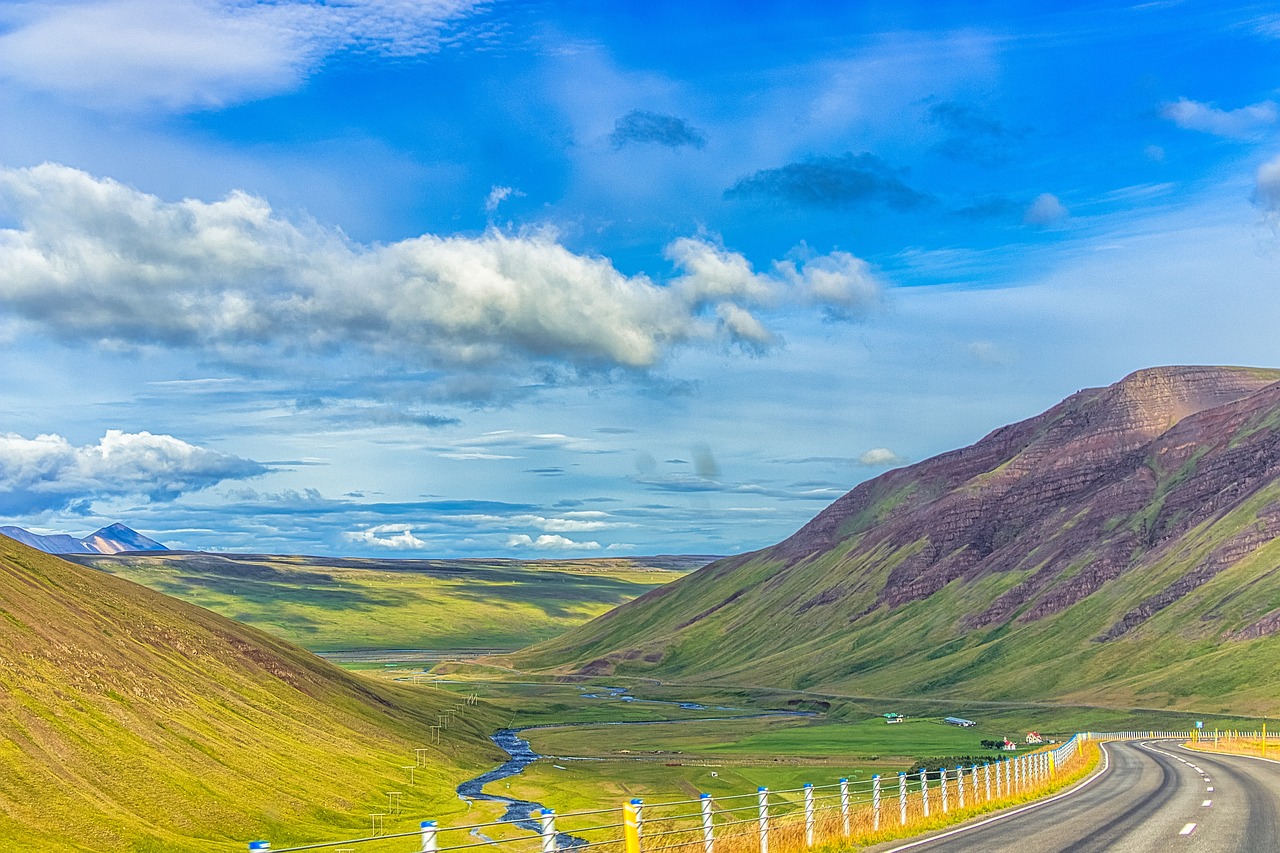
(766, 821)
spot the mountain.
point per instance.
(133, 721)
(1122, 547)
(112, 539)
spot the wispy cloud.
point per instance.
(972, 134)
(846, 180)
(640, 127)
(181, 54)
(48, 472)
(1242, 123)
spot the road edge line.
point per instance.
(1106, 765)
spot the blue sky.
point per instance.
(568, 279)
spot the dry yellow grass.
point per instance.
(677, 827)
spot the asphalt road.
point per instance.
(1154, 797)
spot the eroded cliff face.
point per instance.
(1104, 477)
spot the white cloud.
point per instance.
(550, 542)
(1243, 123)
(197, 53)
(839, 282)
(1045, 210)
(401, 538)
(96, 260)
(878, 457)
(498, 195)
(48, 472)
(1266, 192)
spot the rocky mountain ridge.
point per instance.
(1140, 516)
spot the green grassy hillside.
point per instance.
(133, 721)
(327, 604)
(1122, 548)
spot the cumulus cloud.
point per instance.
(180, 54)
(844, 181)
(1266, 191)
(49, 472)
(95, 260)
(550, 542)
(843, 285)
(878, 457)
(1046, 209)
(644, 127)
(389, 536)
(1243, 123)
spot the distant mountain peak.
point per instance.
(112, 539)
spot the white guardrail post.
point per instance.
(430, 837)
(844, 806)
(902, 799)
(708, 828)
(875, 802)
(763, 793)
(808, 814)
(973, 778)
(548, 820)
(960, 785)
(942, 784)
(986, 775)
(924, 791)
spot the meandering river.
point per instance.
(522, 755)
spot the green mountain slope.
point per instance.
(1121, 547)
(133, 721)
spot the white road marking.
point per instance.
(1207, 803)
(1188, 829)
(1209, 789)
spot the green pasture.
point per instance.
(769, 738)
(327, 604)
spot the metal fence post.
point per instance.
(875, 803)
(924, 791)
(844, 805)
(1017, 777)
(259, 845)
(808, 814)
(986, 774)
(548, 819)
(631, 826)
(942, 784)
(960, 784)
(430, 844)
(764, 818)
(902, 799)
(708, 828)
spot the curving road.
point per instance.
(1153, 797)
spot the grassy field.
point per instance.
(325, 604)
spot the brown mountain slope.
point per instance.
(1129, 531)
(133, 721)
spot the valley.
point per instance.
(182, 701)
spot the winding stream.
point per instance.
(522, 755)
